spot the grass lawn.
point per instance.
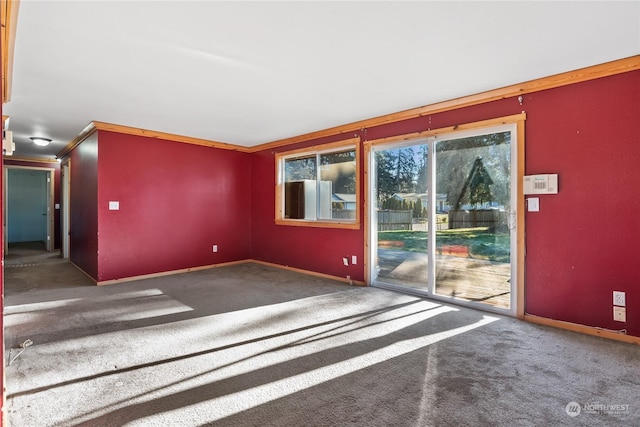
(482, 244)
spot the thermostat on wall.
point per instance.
(541, 184)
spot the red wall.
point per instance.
(176, 201)
(585, 242)
(83, 206)
(582, 245)
(8, 161)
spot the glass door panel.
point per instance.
(400, 216)
(473, 243)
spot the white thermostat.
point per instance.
(541, 184)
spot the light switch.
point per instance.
(533, 204)
(114, 206)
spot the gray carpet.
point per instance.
(250, 345)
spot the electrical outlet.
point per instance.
(215, 248)
(345, 261)
(619, 314)
(354, 259)
(619, 298)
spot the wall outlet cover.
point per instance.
(619, 314)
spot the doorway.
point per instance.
(28, 213)
(443, 220)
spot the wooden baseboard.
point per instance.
(583, 329)
(311, 273)
(168, 273)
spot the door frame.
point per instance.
(65, 213)
(50, 201)
(517, 216)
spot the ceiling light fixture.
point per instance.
(43, 142)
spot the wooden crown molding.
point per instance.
(29, 160)
(84, 134)
(128, 130)
(8, 22)
(583, 74)
(168, 136)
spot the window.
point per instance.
(319, 186)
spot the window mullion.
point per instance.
(318, 175)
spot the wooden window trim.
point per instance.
(316, 149)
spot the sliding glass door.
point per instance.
(474, 251)
(443, 218)
(401, 207)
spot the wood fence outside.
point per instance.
(478, 218)
(389, 220)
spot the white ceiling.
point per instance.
(248, 73)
